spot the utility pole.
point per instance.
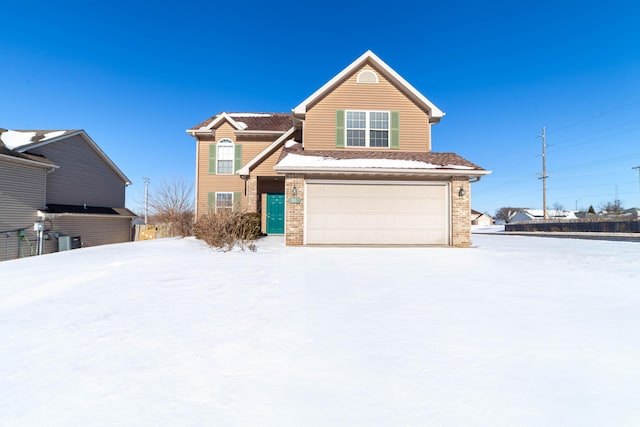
(638, 169)
(146, 199)
(544, 172)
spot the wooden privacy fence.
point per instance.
(578, 226)
(152, 231)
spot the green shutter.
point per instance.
(340, 128)
(237, 164)
(237, 199)
(212, 159)
(211, 202)
(395, 130)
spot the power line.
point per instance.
(595, 116)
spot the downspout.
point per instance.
(195, 210)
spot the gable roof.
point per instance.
(477, 214)
(22, 141)
(248, 122)
(371, 58)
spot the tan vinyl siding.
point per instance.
(320, 121)
(266, 167)
(252, 145)
(22, 193)
(83, 176)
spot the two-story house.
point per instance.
(62, 180)
(352, 164)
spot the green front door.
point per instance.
(275, 213)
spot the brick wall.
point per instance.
(294, 212)
(460, 213)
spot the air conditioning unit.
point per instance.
(66, 243)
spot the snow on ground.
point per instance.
(515, 331)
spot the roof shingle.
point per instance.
(279, 122)
(441, 159)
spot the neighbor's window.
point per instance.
(224, 201)
(225, 156)
(367, 129)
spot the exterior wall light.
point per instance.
(294, 191)
(461, 193)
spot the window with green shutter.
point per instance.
(368, 129)
(395, 130)
(237, 162)
(340, 128)
(225, 156)
(212, 159)
(223, 201)
(237, 200)
(211, 202)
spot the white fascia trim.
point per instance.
(246, 169)
(220, 118)
(384, 171)
(301, 109)
(91, 143)
(14, 159)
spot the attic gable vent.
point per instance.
(367, 76)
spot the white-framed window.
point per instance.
(224, 157)
(367, 129)
(367, 76)
(224, 201)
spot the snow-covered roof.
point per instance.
(376, 62)
(539, 214)
(15, 139)
(295, 158)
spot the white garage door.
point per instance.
(376, 213)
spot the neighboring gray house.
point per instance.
(63, 179)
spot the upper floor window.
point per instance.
(367, 129)
(225, 156)
(367, 76)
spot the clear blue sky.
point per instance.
(135, 74)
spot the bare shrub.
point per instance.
(226, 229)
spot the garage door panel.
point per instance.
(376, 214)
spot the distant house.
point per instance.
(63, 180)
(479, 218)
(538, 214)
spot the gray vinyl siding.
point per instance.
(22, 193)
(83, 176)
(93, 231)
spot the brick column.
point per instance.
(294, 212)
(460, 212)
(252, 195)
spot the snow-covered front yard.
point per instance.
(517, 331)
